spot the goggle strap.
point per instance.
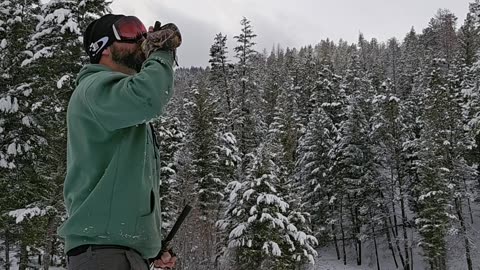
(117, 36)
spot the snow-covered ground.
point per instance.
(327, 259)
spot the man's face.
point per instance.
(128, 54)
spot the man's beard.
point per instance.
(132, 60)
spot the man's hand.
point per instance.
(166, 261)
(168, 37)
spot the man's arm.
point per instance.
(120, 101)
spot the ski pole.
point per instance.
(166, 242)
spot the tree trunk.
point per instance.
(404, 229)
(359, 241)
(7, 249)
(49, 240)
(355, 230)
(375, 242)
(468, 200)
(390, 244)
(411, 250)
(458, 206)
(335, 241)
(23, 256)
(390, 225)
(227, 92)
(397, 244)
(470, 210)
(394, 208)
(343, 234)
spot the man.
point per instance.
(112, 184)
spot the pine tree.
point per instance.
(55, 59)
(409, 64)
(390, 133)
(260, 233)
(244, 119)
(170, 139)
(20, 133)
(440, 36)
(220, 74)
(355, 164)
(306, 72)
(314, 172)
(433, 190)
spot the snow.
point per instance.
(230, 138)
(41, 34)
(8, 105)
(12, 149)
(44, 52)
(62, 81)
(3, 163)
(58, 15)
(275, 249)
(272, 199)
(21, 214)
(27, 92)
(27, 120)
(72, 27)
(36, 105)
(393, 98)
(248, 193)
(235, 186)
(292, 228)
(237, 231)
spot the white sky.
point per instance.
(288, 23)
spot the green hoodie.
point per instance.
(112, 184)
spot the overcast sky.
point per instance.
(288, 23)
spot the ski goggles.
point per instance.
(129, 29)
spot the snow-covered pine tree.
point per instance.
(470, 44)
(213, 159)
(20, 133)
(460, 142)
(433, 190)
(284, 131)
(220, 78)
(409, 64)
(468, 35)
(389, 132)
(440, 38)
(170, 139)
(303, 84)
(313, 169)
(368, 58)
(260, 233)
(355, 166)
(245, 126)
(201, 142)
(56, 56)
(271, 88)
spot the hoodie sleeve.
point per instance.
(118, 101)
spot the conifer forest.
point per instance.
(364, 154)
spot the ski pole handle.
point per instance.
(157, 26)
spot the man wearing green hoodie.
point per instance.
(111, 188)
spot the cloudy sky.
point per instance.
(288, 23)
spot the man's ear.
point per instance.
(107, 51)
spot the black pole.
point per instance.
(166, 242)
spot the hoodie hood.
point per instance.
(88, 70)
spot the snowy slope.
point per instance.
(327, 259)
